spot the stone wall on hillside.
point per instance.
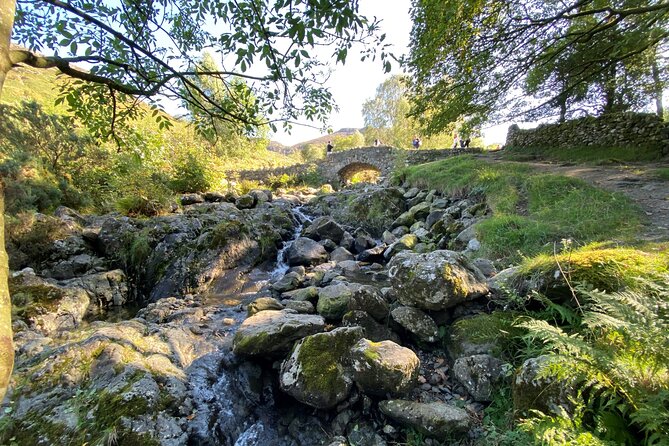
(620, 130)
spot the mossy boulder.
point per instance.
(245, 201)
(384, 368)
(309, 293)
(441, 421)
(317, 371)
(272, 333)
(435, 281)
(333, 300)
(607, 269)
(287, 282)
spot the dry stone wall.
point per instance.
(618, 130)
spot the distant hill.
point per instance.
(325, 138)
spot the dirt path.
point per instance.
(635, 180)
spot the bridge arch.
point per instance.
(349, 172)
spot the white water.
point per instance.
(281, 265)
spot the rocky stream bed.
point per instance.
(311, 319)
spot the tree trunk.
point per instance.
(657, 86)
(7, 10)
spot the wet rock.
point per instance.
(288, 282)
(373, 330)
(189, 199)
(315, 372)
(416, 323)
(307, 252)
(384, 368)
(324, 228)
(479, 374)
(441, 421)
(272, 333)
(341, 254)
(245, 201)
(263, 304)
(435, 281)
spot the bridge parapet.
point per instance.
(339, 166)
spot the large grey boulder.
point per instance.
(316, 372)
(324, 228)
(418, 324)
(272, 333)
(287, 282)
(436, 420)
(307, 252)
(435, 281)
(341, 254)
(384, 368)
(263, 304)
(479, 374)
(245, 201)
(369, 299)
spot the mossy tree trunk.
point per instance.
(7, 10)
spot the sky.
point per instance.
(356, 81)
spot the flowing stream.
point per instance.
(281, 265)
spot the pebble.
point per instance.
(228, 321)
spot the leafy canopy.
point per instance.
(471, 58)
(143, 49)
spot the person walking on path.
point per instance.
(456, 141)
(328, 148)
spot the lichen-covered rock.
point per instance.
(272, 333)
(263, 304)
(441, 421)
(324, 228)
(479, 374)
(301, 306)
(435, 281)
(406, 242)
(530, 392)
(315, 373)
(261, 195)
(486, 267)
(373, 330)
(480, 334)
(405, 219)
(333, 300)
(369, 299)
(418, 324)
(106, 289)
(420, 211)
(384, 368)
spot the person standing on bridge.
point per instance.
(416, 142)
(328, 148)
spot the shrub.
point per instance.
(190, 175)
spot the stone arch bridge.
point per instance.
(338, 167)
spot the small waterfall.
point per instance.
(281, 266)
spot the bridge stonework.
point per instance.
(338, 167)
